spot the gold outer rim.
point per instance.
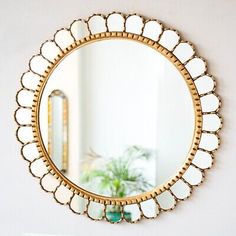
(196, 103)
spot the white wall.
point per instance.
(25, 208)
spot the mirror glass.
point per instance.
(129, 120)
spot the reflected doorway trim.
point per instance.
(64, 159)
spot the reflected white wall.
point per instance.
(120, 98)
(175, 124)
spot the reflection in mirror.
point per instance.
(131, 120)
(58, 129)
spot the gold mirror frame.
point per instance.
(48, 168)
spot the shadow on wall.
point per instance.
(33, 234)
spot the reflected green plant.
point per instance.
(119, 177)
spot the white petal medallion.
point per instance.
(25, 98)
(63, 39)
(181, 190)
(30, 151)
(169, 39)
(116, 22)
(49, 183)
(212, 122)
(25, 134)
(79, 29)
(203, 159)
(38, 168)
(149, 208)
(63, 195)
(50, 50)
(23, 116)
(132, 213)
(97, 24)
(184, 51)
(210, 103)
(38, 64)
(196, 67)
(166, 201)
(152, 30)
(209, 142)
(113, 214)
(205, 84)
(193, 176)
(134, 24)
(30, 80)
(78, 204)
(96, 211)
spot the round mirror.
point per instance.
(118, 117)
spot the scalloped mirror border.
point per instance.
(153, 34)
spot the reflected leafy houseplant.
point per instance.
(119, 177)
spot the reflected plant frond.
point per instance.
(118, 176)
